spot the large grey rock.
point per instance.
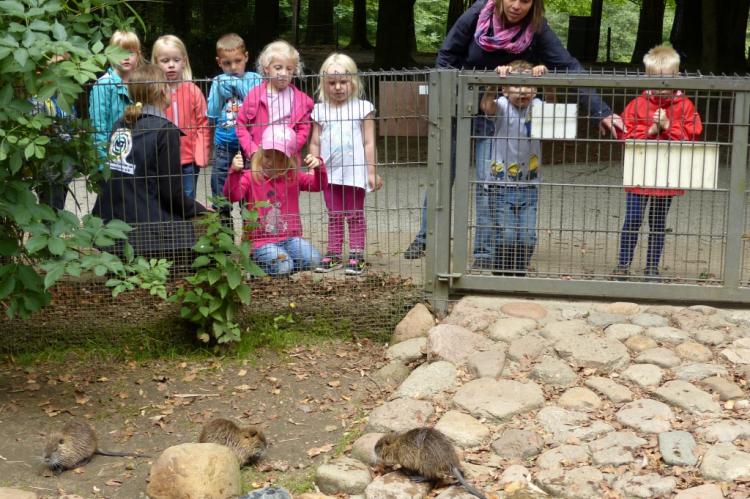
(392, 374)
(622, 332)
(726, 389)
(399, 415)
(604, 354)
(666, 334)
(615, 448)
(727, 430)
(646, 415)
(689, 397)
(553, 371)
(515, 473)
(649, 485)
(363, 448)
(416, 323)
(473, 313)
(407, 350)
(428, 380)
(570, 426)
(603, 319)
(584, 482)
(615, 392)
(740, 318)
(563, 456)
(557, 330)
(725, 462)
(518, 444)
(524, 309)
(529, 346)
(396, 485)
(343, 475)
(639, 343)
(697, 372)
(195, 470)
(462, 429)
(455, 343)
(677, 448)
(737, 355)
(649, 320)
(707, 491)
(662, 357)
(643, 375)
(691, 351)
(498, 399)
(508, 329)
(268, 493)
(580, 399)
(711, 337)
(619, 308)
(487, 364)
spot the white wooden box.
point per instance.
(670, 164)
(554, 121)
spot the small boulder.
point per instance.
(415, 324)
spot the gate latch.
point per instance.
(449, 277)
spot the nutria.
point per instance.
(75, 445)
(248, 443)
(426, 452)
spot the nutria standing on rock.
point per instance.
(248, 443)
(75, 445)
(425, 452)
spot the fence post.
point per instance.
(442, 108)
(737, 186)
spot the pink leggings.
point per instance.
(345, 202)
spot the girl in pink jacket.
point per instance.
(187, 109)
(275, 101)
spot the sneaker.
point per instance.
(328, 263)
(651, 274)
(415, 250)
(620, 273)
(356, 264)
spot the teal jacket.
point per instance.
(109, 96)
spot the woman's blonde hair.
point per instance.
(662, 59)
(129, 41)
(535, 17)
(257, 168)
(167, 41)
(278, 50)
(147, 85)
(350, 70)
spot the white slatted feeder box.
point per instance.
(670, 164)
(554, 121)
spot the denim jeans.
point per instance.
(514, 210)
(190, 173)
(222, 160)
(287, 256)
(635, 208)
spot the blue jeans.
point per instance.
(635, 208)
(514, 210)
(287, 256)
(190, 179)
(222, 160)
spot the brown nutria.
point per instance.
(426, 452)
(248, 443)
(75, 445)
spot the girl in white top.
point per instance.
(344, 136)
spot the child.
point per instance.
(344, 135)
(144, 188)
(660, 115)
(276, 101)
(225, 97)
(514, 172)
(272, 187)
(187, 109)
(109, 95)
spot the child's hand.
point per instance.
(312, 162)
(376, 183)
(238, 163)
(503, 71)
(663, 120)
(538, 70)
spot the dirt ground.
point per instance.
(309, 401)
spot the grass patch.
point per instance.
(295, 481)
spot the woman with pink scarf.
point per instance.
(488, 36)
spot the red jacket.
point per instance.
(684, 124)
(187, 110)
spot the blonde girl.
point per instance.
(271, 186)
(344, 135)
(109, 95)
(187, 109)
(144, 187)
(276, 101)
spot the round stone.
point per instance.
(693, 351)
(524, 309)
(646, 415)
(710, 336)
(581, 399)
(639, 343)
(619, 307)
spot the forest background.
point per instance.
(711, 36)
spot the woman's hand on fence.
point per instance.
(611, 124)
(538, 70)
(312, 162)
(238, 163)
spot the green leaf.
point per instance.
(11, 7)
(201, 261)
(243, 293)
(213, 276)
(21, 55)
(53, 275)
(7, 284)
(28, 152)
(234, 277)
(56, 246)
(100, 270)
(59, 32)
(36, 243)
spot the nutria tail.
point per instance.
(102, 452)
(469, 488)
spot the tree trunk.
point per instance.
(266, 23)
(710, 52)
(596, 27)
(359, 26)
(732, 24)
(650, 28)
(393, 38)
(320, 28)
(411, 30)
(455, 9)
(686, 35)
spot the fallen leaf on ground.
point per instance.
(315, 451)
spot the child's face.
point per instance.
(338, 85)
(280, 72)
(232, 62)
(519, 96)
(128, 64)
(669, 73)
(171, 60)
(274, 162)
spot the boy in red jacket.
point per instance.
(663, 114)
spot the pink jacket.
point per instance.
(253, 118)
(187, 110)
(280, 219)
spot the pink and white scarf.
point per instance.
(502, 37)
